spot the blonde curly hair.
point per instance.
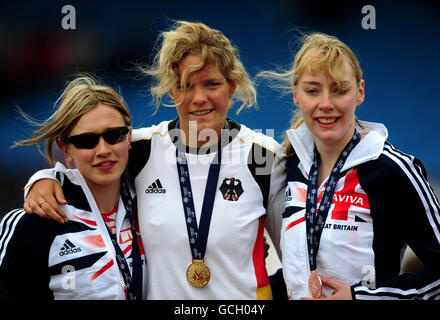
(194, 38)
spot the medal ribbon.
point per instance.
(198, 235)
(315, 219)
(132, 283)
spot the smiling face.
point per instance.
(204, 103)
(103, 165)
(327, 110)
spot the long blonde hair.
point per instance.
(80, 96)
(193, 38)
(319, 53)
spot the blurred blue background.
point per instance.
(400, 60)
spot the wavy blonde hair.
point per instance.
(194, 38)
(80, 96)
(319, 53)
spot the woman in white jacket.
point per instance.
(201, 174)
(353, 202)
(97, 254)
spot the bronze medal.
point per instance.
(316, 216)
(198, 274)
(315, 284)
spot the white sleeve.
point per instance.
(39, 175)
(275, 206)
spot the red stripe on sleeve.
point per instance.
(294, 223)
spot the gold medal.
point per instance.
(315, 284)
(198, 274)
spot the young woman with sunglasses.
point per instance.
(201, 175)
(97, 254)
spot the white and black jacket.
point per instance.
(382, 203)
(249, 198)
(41, 259)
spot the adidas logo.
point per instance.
(69, 248)
(288, 195)
(156, 187)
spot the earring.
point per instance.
(68, 162)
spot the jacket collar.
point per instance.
(73, 187)
(369, 148)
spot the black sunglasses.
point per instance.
(90, 140)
